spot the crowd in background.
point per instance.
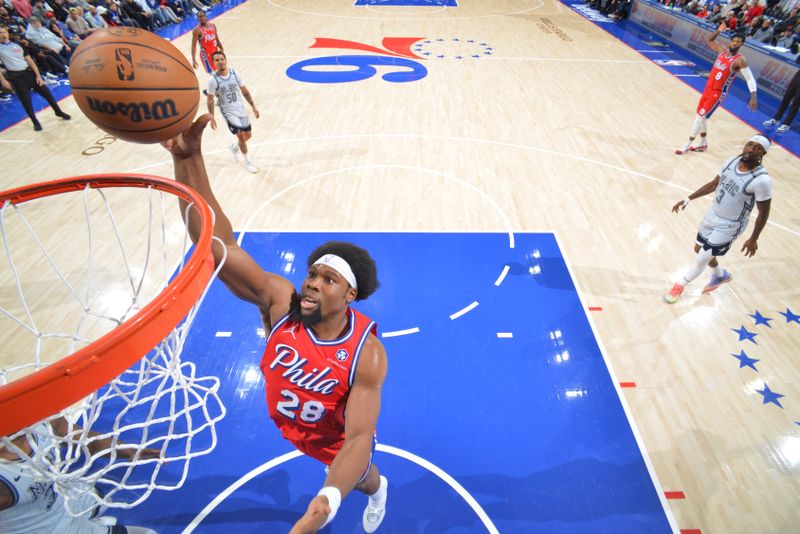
(49, 30)
(771, 22)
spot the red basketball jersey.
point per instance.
(308, 382)
(722, 74)
(208, 39)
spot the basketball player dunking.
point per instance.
(323, 359)
(728, 63)
(206, 34)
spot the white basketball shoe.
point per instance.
(375, 511)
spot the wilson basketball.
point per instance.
(134, 85)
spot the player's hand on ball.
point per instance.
(314, 518)
(187, 142)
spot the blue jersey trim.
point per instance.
(360, 346)
(12, 488)
(335, 341)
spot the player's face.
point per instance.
(324, 291)
(736, 44)
(753, 152)
(201, 17)
(220, 62)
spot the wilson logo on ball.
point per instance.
(124, 64)
(157, 110)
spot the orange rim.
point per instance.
(43, 393)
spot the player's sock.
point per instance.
(718, 271)
(376, 507)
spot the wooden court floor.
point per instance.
(561, 128)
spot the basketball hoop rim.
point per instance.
(45, 392)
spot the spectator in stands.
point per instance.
(730, 21)
(114, 17)
(134, 11)
(715, 17)
(61, 31)
(40, 9)
(789, 21)
(60, 11)
(765, 33)
(94, 19)
(77, 24)
(23, 8)
(785, 39)
(13, 22)
(41, 36)
(702, 12)
(754, 9)
(752, 27)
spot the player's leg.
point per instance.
(376, 487)
(705, 107)
(244, 134)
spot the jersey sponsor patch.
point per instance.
(341, 355)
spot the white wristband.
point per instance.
(686, 201)
(334, 500)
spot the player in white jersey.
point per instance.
(227, 86)
(34, 506)
(742, 183)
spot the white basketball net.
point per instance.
(79, 272)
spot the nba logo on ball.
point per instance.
(134, 85)
(341, 355)
(124, 64)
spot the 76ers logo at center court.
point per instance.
(396, 55)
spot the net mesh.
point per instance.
(77, 266)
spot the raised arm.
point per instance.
(713, 45)
(240, 273)
(742, 66)
(363, 407)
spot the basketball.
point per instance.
(134, 85)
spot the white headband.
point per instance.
(761, 140)
(340, 266)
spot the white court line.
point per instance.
(401, 332)
(502, 276)
(685, 75)
(622, 170)
(425, 464)
(537, 5)
(487, 58)
(223, 334)
(462, 311)
(505, 335)
(636, 434)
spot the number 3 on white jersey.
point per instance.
(312, 410)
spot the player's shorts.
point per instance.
(237, 123)
(718, 234)
(205, 58)
(709, 102)
(325, 451)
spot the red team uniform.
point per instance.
(309, 380)
(208, 45)
(719, 80)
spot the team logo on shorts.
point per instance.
(341, 355)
